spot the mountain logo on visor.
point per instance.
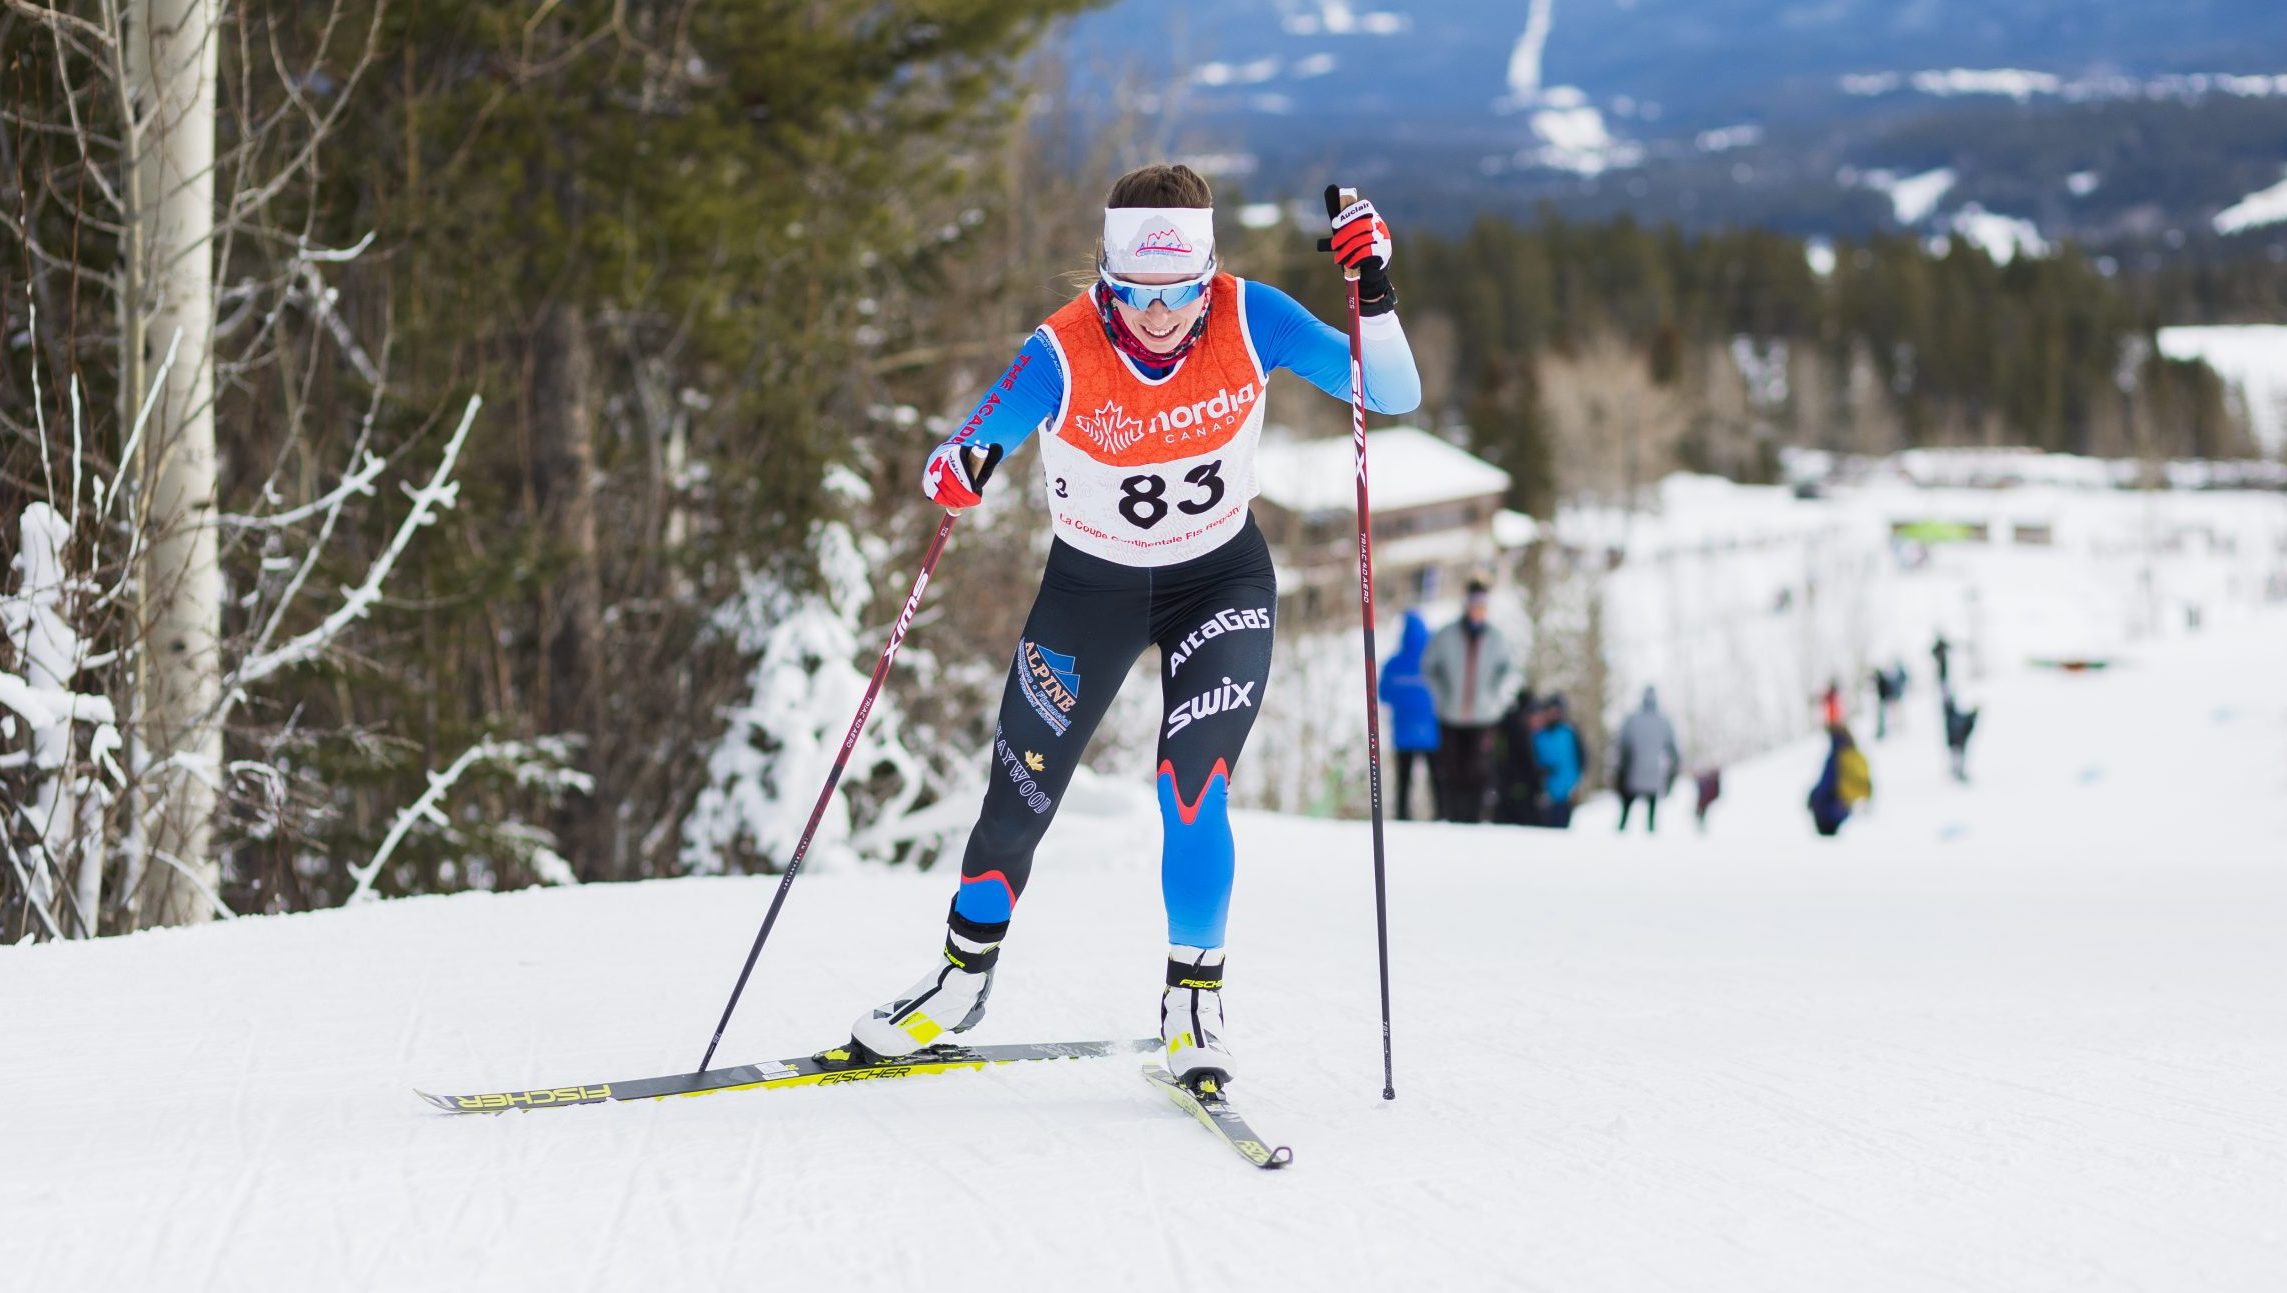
(1110, 427)
(1162, 242)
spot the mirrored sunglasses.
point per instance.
(1139, 296)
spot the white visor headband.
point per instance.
(1159, 240)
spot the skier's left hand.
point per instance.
(1361, 242)
(1361, 238)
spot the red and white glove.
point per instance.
(1361, 238)
(955, 476)
(1361, 241)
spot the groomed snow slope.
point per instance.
(2026, 1034)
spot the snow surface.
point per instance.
(2018, 1035)
(1575, 138)
(2264, 207)
(1727, 138)
(2252, 358)
(2013, 82)
(2001, 237)
(1524, 73)
(1914, 197)
(1337, 18)
(2023, 85)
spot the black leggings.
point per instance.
(1408, 760)
(1211, 619)
(1465, 757)
(1651, 808)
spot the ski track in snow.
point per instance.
(2043, 1053)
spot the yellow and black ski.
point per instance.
(1207, 1103)
(842, 1064)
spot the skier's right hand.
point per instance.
(955, 476)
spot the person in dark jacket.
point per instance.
(1516, 773)
(1413, 712)
(1563, 757)
(1885, 695)
(1959, 724)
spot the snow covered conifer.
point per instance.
(779, 743)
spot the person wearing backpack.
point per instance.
(1843, 783)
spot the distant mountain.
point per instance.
(2111, 122)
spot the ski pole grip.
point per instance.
(1337, 201)
(982, 462)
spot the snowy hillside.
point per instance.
(2017, 1035)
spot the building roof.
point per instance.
(1405, 467)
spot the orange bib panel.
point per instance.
(1149, 473)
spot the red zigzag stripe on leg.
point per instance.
(1190, 812)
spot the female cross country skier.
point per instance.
(1148, 390)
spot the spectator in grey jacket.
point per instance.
(1471, 679)
(1646, 760)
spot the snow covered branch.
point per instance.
(441, 492)
(545, 768)
(359, 481)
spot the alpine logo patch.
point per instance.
(1051, 683)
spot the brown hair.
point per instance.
(1161, 184)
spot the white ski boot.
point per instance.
(1191, 1018)
(948, 999)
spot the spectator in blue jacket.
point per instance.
(1413, 712)
(1563, 757)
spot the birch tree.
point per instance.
(168, 303)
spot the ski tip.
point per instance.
(1280, 1157)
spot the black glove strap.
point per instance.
(1375, 295)
(980, 463)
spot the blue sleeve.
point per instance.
(1015, 406)
(1290, 337)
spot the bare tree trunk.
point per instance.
(571, 618)
(171, 69)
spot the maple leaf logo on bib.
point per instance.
(1109, 427)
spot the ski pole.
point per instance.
(849, 743)
(1336, 200)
